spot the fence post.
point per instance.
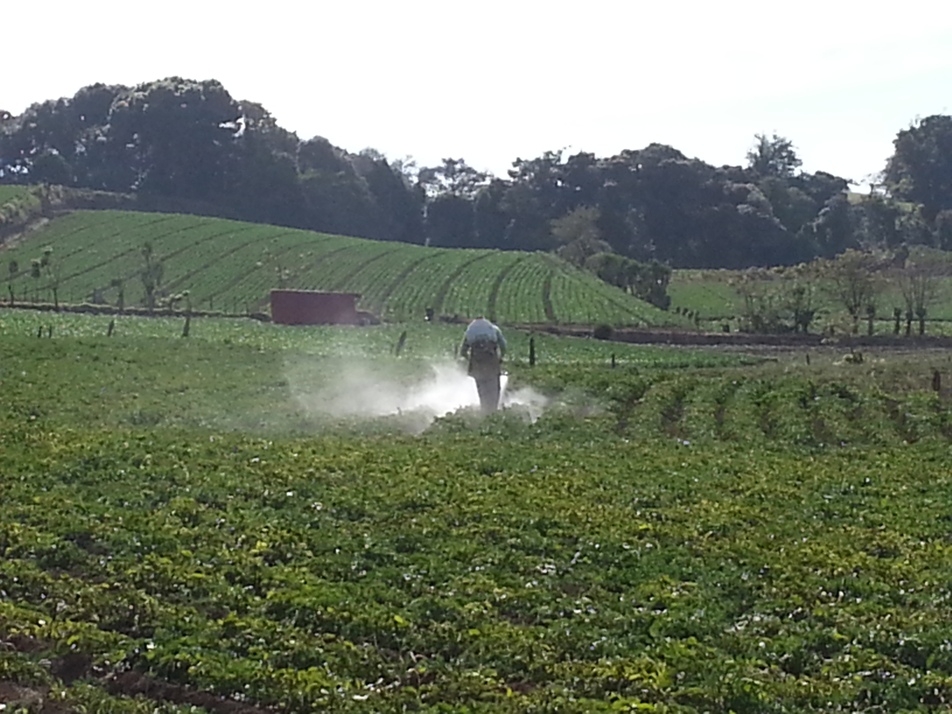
(398, 348)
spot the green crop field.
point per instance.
(231, 266)
(200, 524)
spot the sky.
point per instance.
(496, 80)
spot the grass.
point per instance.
(232, 266)
(8, 192)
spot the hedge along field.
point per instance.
(710, 293)
(17, 204)
(231, 266)
(665, 542)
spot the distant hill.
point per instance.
(232, 266)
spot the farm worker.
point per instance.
(484, 346)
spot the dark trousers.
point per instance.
(488, 387)
(485, 368)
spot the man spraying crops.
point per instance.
(484, 346)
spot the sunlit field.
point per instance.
(263, 518)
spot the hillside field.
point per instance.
(231, 266)
(190, 525)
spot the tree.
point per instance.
(800, 301)
(13, 268)
(489, 219)
(851, 280)
(453, 176)
(773, 156)
(920, 169)
(881, 222)
(943, 230)
(450, 221)
(773, 305)
(649, 282)
(792, 206)
(151, 275)
(799, 296)
(259, 170)
(51, 267)
(338, 202)
(761, 310)
(833, 229)
(646, 281)
(119, 285)
(398, 204)
(611, 268)
(578, 235)
(36, 272)
(919, 288)
(177, 136)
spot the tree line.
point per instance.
(862, 285)
(622, 216)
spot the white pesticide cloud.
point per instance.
(365, 390)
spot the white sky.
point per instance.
(492, 80)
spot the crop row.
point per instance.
(334, 274)
(426, 284)
(390, 274)
(518, 292)
(243, 276)
(794, 410)
(471, 291)
(414, 276)
(572, 302)
(481, 572)
(95, 260)
(233, 263)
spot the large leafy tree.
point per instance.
(834, 228)
(454, 177)
(920, 169)
(852, 279)
(451, 190)
(792, 206)
(398, 204)
(178, 135)
(578, 235)
(773, 156)
(260, 170)
(488, 216)
(59, 141)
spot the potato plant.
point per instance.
(690, 531)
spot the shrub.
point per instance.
(603, 332)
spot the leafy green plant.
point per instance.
(690, 531)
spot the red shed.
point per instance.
(307, 307)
